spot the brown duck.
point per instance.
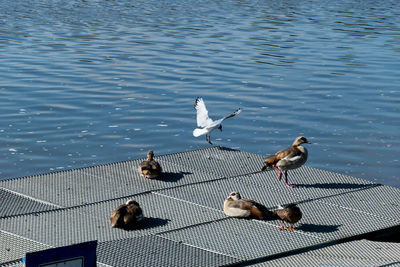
(236, 206)
(288, 159)
(289, 213)
(150, 168)
(127, 216)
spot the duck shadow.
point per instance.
(318, 228)
(172, 176)
(148, 223)
(333, 186)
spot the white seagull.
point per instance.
(208, 125)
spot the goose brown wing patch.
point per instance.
(288, 152)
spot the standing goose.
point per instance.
(127, 216)
(208, 125)
(288, 159)
(289, 213)
(150, 168)
(236, 206)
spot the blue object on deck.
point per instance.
(82, 254)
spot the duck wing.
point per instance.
(154, 165)
(145, 165)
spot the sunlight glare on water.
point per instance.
(92, 82)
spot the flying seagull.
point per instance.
(208, 125)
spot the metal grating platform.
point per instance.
(354, 253)
(157, 251)
(185, 223)
(13, 204)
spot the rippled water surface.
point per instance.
(92, 82)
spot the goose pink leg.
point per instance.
(286, 181)
(278, 171)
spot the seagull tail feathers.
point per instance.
(197, 132)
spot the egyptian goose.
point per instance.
(150, 168)
(208, 125)
(127, 216)
(289, 213)
(236, 206)
(288, 159)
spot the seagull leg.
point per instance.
(291, 228)
(278, 171)
(286, 181)
(209, 140)
(282, 227)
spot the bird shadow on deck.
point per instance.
(334, 186)
(172, 176)
(317, 228)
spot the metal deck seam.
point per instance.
(204, 249)
(185, 201)
(359, 211)
(30, 197)
(23, 237)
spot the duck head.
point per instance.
(150, 155)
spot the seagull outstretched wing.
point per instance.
(202, 113)
(217, 122)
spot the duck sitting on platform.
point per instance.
(289, 213)
(288, 159)
(150, 168)
(236, 206)
(127, 216)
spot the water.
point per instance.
(92, 82)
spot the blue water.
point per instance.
(92, 82)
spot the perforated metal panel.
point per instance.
(382, 201)
(156, 251)
(91, 222)
(355, 253)
(13, 247)
(223, 162)
(12, 204)
(311, 183)
(18, 263)
(333, 222)
(246, 239)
